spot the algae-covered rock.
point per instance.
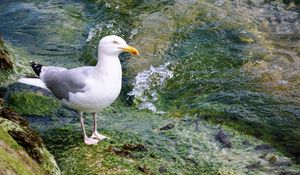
(13, 61)
(22, 150)
(29, 103)
(5, 62)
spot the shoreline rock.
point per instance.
(5, 61)
(22, 149)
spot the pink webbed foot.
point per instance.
(90, 141)
(98, 136)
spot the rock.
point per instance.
(5, 61)
(14, 117)
(24, 146)
(223, 139)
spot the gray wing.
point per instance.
(61, 81)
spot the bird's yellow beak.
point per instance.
(131, 50)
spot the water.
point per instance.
(233, 63)
(51, 32)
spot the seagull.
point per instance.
(87, 88)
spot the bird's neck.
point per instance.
(109, 66)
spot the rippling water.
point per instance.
(233, 62)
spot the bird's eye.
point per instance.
(115, 42)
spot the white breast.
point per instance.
(102, 89)
(97, 97)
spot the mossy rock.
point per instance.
(29, 103)
(5, 61)
(22, 150)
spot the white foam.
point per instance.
(146, 85)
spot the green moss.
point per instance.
(28, 103)
(13, 158)
(8, 140)
(10, 164)
(76, 158)
(26, 147)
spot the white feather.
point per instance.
(33, 82)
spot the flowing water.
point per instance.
(230, 63)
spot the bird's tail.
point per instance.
(37, 68)
(33, 82)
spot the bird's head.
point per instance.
(114, 45)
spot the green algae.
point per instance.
(218, 75)
(8, 140)
(188, 146)
(105, 157)
(28, 103)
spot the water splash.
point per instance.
(146, 85)
(96, 32)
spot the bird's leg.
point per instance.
(96, 135)
(88, 141)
